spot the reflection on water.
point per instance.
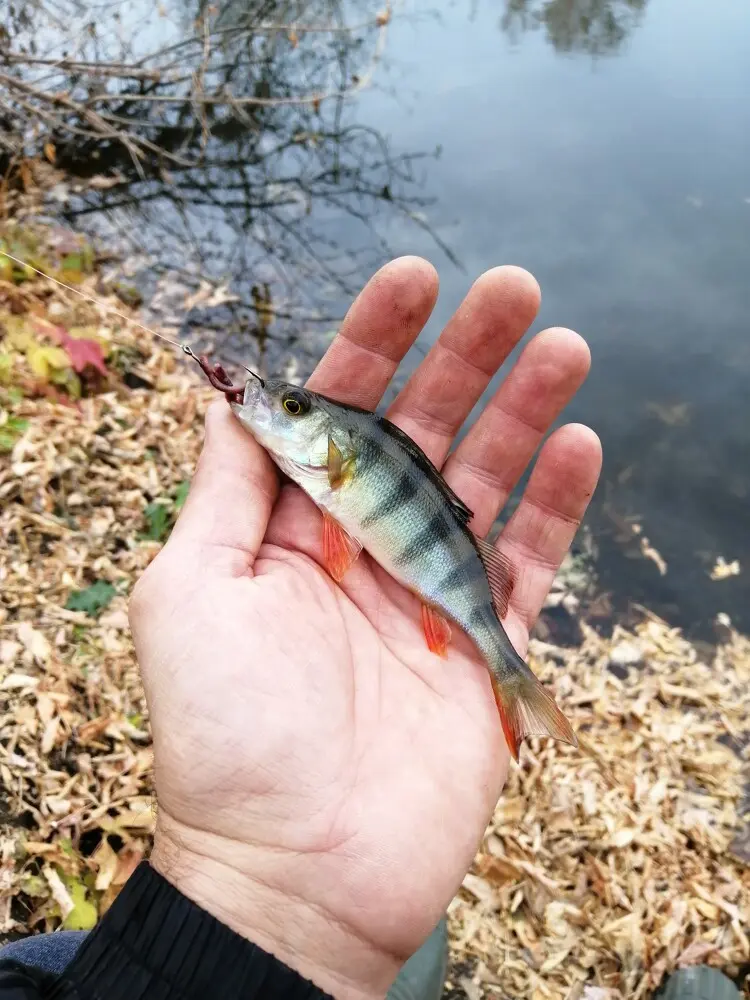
(622, 183)
(597, 27)
(220, 143)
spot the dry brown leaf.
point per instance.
(34, 641)
(106, 861)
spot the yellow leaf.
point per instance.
(6, 368)
(49, 151)
(17, 332)
(83, 915)
(37, 361)
(43, 358)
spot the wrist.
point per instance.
(264, 895)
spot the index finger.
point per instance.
(379, 328)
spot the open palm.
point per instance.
(323, 779)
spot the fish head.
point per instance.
(291, 423)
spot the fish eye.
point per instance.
(295, 403)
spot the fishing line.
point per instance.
(97, 302)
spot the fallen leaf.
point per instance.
(93, 599)
(82, 916)
(34, 641)
(82, 351)
(127, 861)
(649, 552)
(42, 359)
(49, 737)
(106, 860)
(18, 681)
(722, 569)
(696, 952)
(9, 650)
(59, 893)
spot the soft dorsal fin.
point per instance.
(462, 512)
(501, 574)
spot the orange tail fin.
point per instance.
(528, 709)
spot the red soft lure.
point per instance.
(220, 380)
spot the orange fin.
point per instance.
(339, 471)
(437, 631)
(340, 550)
(528, 709)
(501, 574)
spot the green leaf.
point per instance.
(67, 380)
(11, 431)
(83, 916)
(158, 522)
(93, 599)
(181, 494)
(34, 885)
(66, 846)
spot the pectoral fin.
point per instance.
(437, 631)
(340, 550)
(340, 470)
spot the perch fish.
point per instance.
(377, 490)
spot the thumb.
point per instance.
(233, 491)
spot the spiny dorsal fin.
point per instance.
(462, 512)
(501, 574)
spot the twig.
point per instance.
(120, 70)
(270, 102)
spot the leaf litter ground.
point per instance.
(603, 868)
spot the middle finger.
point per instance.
(443, 390)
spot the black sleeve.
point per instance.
(154, 943)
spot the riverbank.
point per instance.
(603, 868)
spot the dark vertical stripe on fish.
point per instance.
(479, 616)
(437, 529)
(367, 458)
(463, 573)
(406, 490)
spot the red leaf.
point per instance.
(82, 352)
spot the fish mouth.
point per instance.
(251, 397)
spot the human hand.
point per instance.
(323, 780)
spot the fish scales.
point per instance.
(402, 519)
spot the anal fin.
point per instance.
(437, 631)
(340, 550)
(528, 709)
